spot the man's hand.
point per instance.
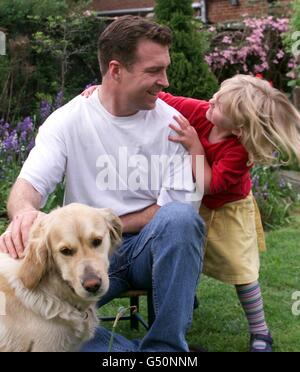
(89, 91)
(14, 239)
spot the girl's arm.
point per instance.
(188, 137)
(195, 153)
(193, 109)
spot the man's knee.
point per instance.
(182, 219)
(181, 233)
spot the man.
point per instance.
(94, 143)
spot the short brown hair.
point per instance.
(120, 39)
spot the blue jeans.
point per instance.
(166, 255)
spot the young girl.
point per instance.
(246, 121)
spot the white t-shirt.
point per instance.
(124, 163)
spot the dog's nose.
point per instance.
(92, 285)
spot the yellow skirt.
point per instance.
(234, 237)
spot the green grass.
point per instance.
(219, 323)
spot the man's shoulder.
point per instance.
(165, 107)
(67, 114)
(72, 107)
(163, 110)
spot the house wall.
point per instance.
(121, 4)
(222, 10)
(217, 10)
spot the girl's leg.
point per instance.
(252, 303)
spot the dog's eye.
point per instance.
(67, 251)
(96, 242)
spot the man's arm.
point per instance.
(134, 222)
(23, 209)
(23, 197)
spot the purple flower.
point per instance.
(4, 128)
(282, 183)
(255, 181)
(45, 110)
(58, 100)
(25, 126)
(265, 195)
(266, 186)
(9, 159)
(15, 143)
(94, 82)
(31, 145)
(11, 142)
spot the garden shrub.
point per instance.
(50, 48)
(15, 145)
(292, 44)
(256, 48)
(189, 75)
(275, 197)
(51, 57)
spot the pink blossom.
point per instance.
(292, 75)
(280, 54)
(256, 49)
(227, 40)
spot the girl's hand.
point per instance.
(187, 135)
(89, 91)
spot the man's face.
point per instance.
(142, 81)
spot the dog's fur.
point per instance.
(49, 304)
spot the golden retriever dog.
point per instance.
(51, 294)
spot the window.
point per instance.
(200, 10)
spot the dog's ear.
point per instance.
(115, 227)
(36, 257)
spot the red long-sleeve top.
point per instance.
(228, 158)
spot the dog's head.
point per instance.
(76, 242)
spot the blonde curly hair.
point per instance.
(269, 123)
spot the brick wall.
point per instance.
(121, 4)
(217, 10)
(222, 10)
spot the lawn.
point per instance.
(219, 323)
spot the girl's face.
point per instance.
(217, 117)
